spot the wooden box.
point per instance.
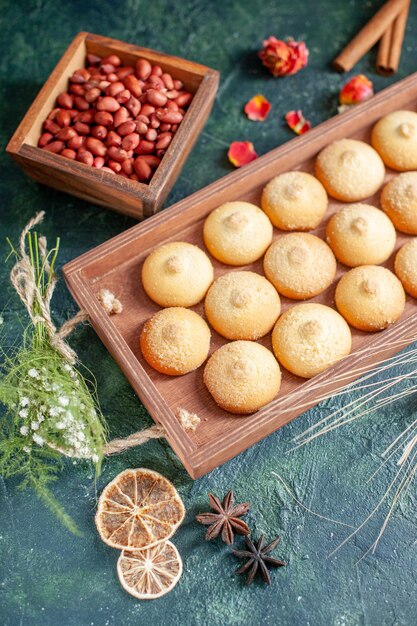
(115, 192)
(116, 265)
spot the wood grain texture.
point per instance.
(115, 192)
(116, 265)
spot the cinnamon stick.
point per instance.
(389, 51)
(369, 35)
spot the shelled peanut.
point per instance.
(117, 118)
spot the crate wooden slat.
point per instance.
(115, 192)
(116, 265)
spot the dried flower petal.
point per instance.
(257, 108)
(241, 152)
(297, 122)
(283, 58)
(357, 89)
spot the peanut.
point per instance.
(54, 146)
(70, 154)
(126, 128)
(95, 146)
(130, 142)
(65, 100)
(85, 156)
(108, 104)
(44, 139)
(117, 154)
(143, 69)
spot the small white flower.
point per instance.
(23, 413)
(77, 445)
(81, 436)
(34, 425)
(67, 367)
(60, 425)
(38, 439)
(41, 418)
(24, 401)
(95, 458)
(24, 430)
(33, 373)
(26, 449)
(63, 401)
(54, 411)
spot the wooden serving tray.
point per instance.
(116, 265)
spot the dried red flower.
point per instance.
(357, 89)
(241, 152)
(297, 122)
(257, 108)
(283, 58)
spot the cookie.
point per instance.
(242, 305)
(350, 170)
(395, 139)
(294, 201)
(175, 341)
(177, 274)
(237, 233)
(370, 297)
(399, 201)
(361, 234)
(406, 267)
(309, 338)
(299, 265)
(242, 376)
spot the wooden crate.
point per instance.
(114, 192)
(116, 265)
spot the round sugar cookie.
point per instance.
(360, 234)
(237, 233)
(399, 201)
(242, 305)
(370, 297)
(406, 266)
(309, 338)
(175, 341)
(395, 139)
(177, 274)
(299, 265)
(242, 376)
(350, 170)
(294, 201)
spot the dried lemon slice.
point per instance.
(150, 573)
(138, 509)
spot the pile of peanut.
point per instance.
(117, 118)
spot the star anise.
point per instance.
(258, 559)
(225, 518)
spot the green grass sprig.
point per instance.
(51, 409)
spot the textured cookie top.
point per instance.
(360, 234)
(308, 338)
(395, 138)
(237, 233)
(175, 340)
(350, 170)
(399, 201)
(370, 297)
(242, 376)
(177, 274)
(406, 266)
(300, 265)
(294, 201)
(242, 305)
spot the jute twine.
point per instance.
(23, 279)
